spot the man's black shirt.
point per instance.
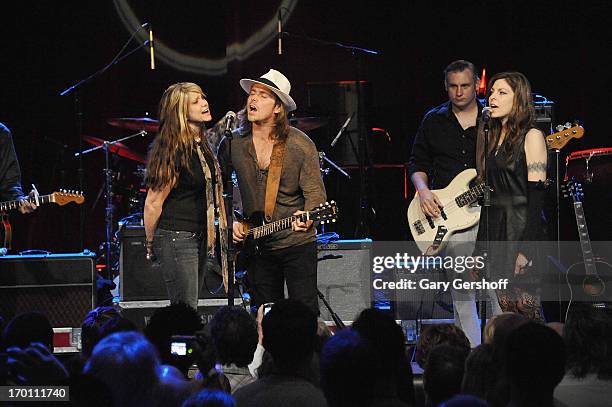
(10, 174)
(441, 148)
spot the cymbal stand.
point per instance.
(79, 113)
(325, 170)
(108, 178)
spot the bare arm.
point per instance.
(536, 154)
(153, 208)
(429, 201)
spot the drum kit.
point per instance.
(137, 193)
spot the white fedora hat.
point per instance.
(277, 83)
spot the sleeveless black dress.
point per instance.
(507, 224)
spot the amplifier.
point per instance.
(61, 286)
(139, 282)
(344, 277)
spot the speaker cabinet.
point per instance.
(61, 286)
(344, 277)
(422, 303)
(139, 282)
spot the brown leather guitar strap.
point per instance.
(274, 176)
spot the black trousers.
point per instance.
(296, 265)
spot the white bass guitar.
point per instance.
(458, 212)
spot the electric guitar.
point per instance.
(592, 273)
(255, 228)
(565, 132)
(61, 197)
(458, 212)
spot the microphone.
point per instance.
(230, 121)
(486, 114)
(280, 34)
(151, 47)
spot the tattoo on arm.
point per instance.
(538, 166)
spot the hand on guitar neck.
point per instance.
(28, 204)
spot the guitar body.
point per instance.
(6, 232)
(588, 287)
(255, 228)
(432, 234)
(248, 248)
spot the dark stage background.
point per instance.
(48, 46)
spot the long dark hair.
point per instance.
(172, 149)
(520, 120)
(281, 121)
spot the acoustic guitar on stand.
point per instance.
(592, 274)
(459, 211)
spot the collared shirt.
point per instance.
(442, 148)
(301, 186)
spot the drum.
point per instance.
(592, 166)
(593, 169)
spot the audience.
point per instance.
(289, 334)
(499, 326)
(28, 328)
(389, 342)
(464, 400)
(175, 319)
(209, 398)
(520, 363)
(480, 372)
(234, 334)
(535, 364)
(588, 342)
(98, 324)
(443, 373)
(439, 334)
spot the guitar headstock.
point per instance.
(62, 197)
(573, 188)
(565, 132)
(326, 212)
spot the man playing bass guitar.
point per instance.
(444, 146)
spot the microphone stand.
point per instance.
(362, 225)
(485, 206)
(108, 176)
(79, 119)
(335, 317)
(229, 209)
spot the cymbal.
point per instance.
(307, 123)
(118, 148)
(136, 123)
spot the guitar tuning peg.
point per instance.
(568, 125)
(333, 220)
(559, 127)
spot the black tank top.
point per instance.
(184, 208)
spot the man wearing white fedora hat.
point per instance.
(277, 167)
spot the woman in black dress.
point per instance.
(516, 172)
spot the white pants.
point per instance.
(464, 304)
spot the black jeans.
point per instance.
(297, 266)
